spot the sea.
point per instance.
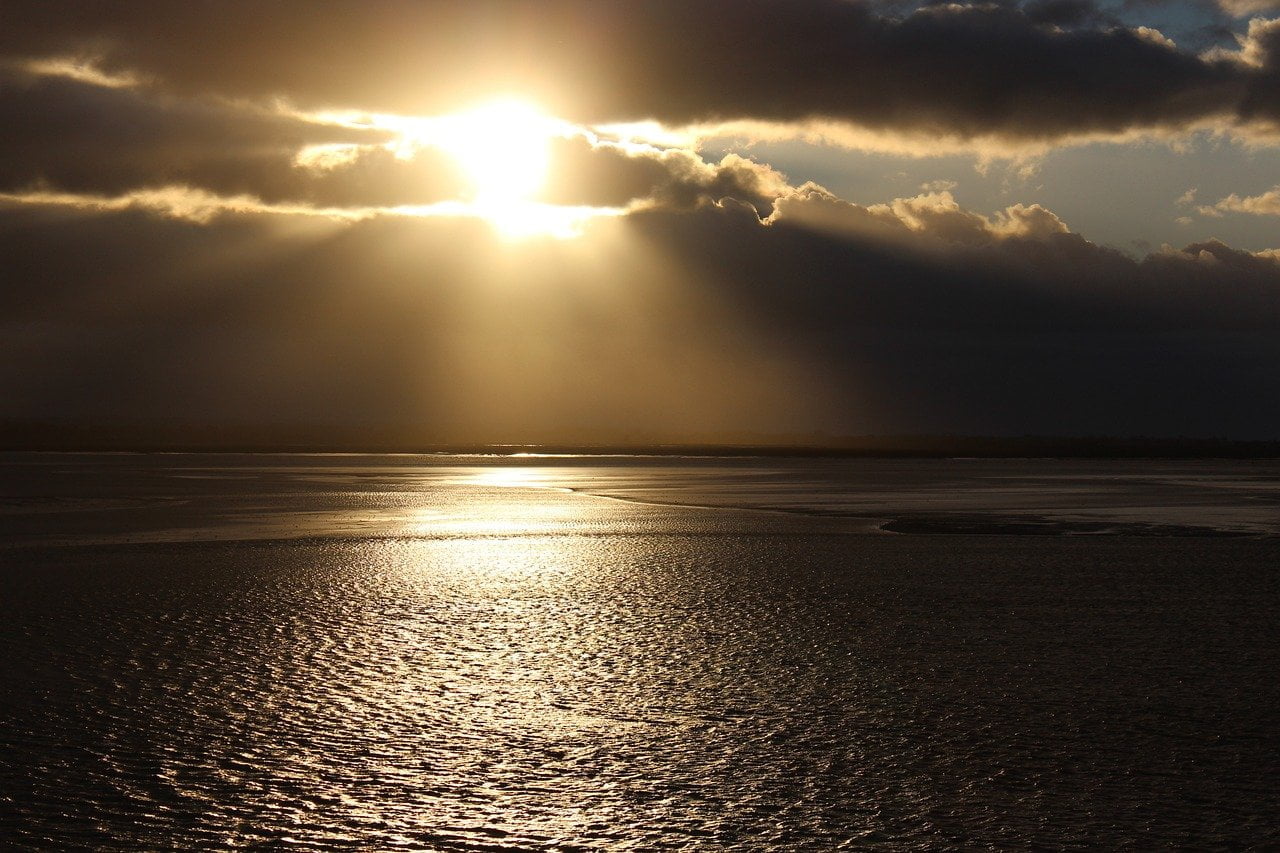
(556, 652)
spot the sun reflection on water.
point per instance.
(467, 662)
(504, 501)
(530, 478)
(542, 670)
(496, 518)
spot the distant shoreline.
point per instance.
(45, 437)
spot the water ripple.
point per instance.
(727, 684)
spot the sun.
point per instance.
(503, 148)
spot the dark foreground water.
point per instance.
(463, 654)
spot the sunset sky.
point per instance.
(643, 221)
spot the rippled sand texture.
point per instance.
(482, 662)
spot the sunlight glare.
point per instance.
(503, 147)
(506, 477)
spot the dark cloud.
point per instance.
(76, 137)
(984, 69)
(1041, 332)
(64, 135)
(580, 173)
(612, 175)
(913, 317)
(1066, 13)
(1262, 47)
(434, 326)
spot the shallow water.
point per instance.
(461, 654)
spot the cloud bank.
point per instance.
(1040, 72)
(913, 316)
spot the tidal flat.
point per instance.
(632, 653)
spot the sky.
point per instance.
(602, 221)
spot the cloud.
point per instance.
(70, 135)
(206, 220)
(1241, 8)
(1065, 13)
(1265, 204)
(432, 327)
(1051, 71)
(1260, 53)
(179, 202)
(68, 139)
(916, 315)
(80, 70)
(64, 135)
(931, 219)
(187, 204)
(985, 329)
(600, 172)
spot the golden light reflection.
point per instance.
(532, 506)
(529, 478)
(495, 518)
